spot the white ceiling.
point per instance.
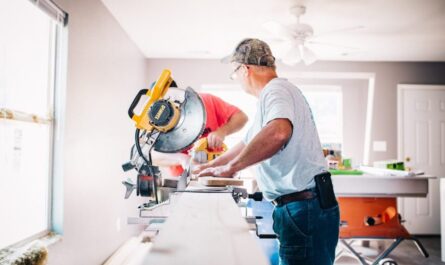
(395, 30)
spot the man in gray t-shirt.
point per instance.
(292, 168)
(284, 146)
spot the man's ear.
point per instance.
(248, 70)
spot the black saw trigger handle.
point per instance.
(136, 101)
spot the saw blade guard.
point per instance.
(191, 123)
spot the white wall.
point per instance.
(388, 74)
(105, 70)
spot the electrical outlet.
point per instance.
(379, 146)
(118, 224)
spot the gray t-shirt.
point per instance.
(293, 168)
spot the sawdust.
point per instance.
(34, 253)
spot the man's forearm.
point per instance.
(228, 156)
(264, 145)
(234, 124)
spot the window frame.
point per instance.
(57, 60)
(329, 88)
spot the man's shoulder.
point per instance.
(209, 97)
(205, 95)
(211, 102)
(279, 87)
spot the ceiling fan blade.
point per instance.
(309, 56)
(332, 45)
(274, 41)
(280, 47)
(292, 57)
(348, 29)
(277, 30)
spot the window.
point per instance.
(27, 82)
(325, 102)
(326, 106)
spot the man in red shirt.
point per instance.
(222, 120)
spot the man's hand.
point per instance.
(226, 171)
(215, 139)
(198, 168)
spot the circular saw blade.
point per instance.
(190, 126)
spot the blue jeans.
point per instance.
(307, 234)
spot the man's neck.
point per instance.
(261, 81)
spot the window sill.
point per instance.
(34, 252)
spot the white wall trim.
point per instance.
(316, 88)
(419, 87)
(328, 75)
(369, 117)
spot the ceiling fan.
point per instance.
(291, 41)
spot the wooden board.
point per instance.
(220, 182)
(171, 182)
(205, 228)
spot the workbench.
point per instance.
(368, 195)
(368, 185)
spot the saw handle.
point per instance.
(136, 101)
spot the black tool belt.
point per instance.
(293, 197)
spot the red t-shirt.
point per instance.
(218, 113)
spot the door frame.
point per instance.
(401, 88)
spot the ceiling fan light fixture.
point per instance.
(308, 56)
(292, 57)
(297, 54)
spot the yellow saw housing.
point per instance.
(202, 154)
(159, 114)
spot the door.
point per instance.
(421, 144)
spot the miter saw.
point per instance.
(171, 120)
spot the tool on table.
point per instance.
(381, 218)
(220, 182)
(237, 193)
(201, 153)
(372, 218)
(182, 182)
(171, 120)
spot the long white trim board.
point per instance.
(205, 229)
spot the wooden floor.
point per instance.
(407, 254)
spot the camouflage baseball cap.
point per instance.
(253, 52)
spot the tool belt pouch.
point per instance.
(325, 190)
